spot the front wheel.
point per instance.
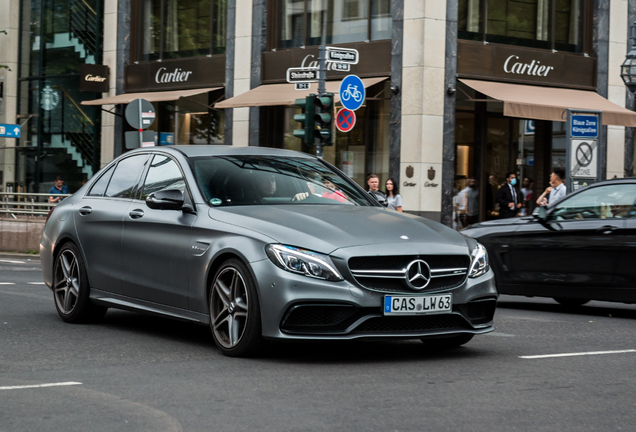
(235, 317)
(71, 288)
(448, 342)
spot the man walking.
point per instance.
(58, 189)
(557, 190)
(508, 197)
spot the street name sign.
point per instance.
(302, 75)
(584, 126)
(9, 131)
(342, 55)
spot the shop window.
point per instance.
(299, 22)
(182, 28)
(547, 24)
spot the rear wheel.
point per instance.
(71, 288)
(571, 302)
(235, 317)
(448, 342)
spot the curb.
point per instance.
(19, 255)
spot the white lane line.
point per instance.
(7, 283)
(68, 383)
(578, 354)
(35, 283)
(12, 261)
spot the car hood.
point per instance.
(325, 228)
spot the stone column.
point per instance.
(423, 92)
(616, 90)
(242, 70)
(110, 60)
(9, 47)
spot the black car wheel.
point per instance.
(571, 302)
(235, 318)
(448, 342)
(71, 288)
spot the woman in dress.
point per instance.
(393, 195)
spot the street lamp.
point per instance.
(628, 68)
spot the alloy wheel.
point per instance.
(66, 283)
(229, 307)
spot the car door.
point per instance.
(99, 221)
(626, 268)
(156, 243)
(577, 245)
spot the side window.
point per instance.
(605, 202)
(164, 173)
(100, 185)
(125, 177)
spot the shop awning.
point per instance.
(149, 96)
(550, 103)
(284, 94)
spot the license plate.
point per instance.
(418, 305)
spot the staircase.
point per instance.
(60, 141)
(84, 27)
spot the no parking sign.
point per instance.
(345, 120)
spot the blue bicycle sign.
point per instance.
(352, 92)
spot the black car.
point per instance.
(580, 248)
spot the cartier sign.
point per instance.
(523, 65)
(94, 78)
(175, 74)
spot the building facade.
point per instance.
(439, 79)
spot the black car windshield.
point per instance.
(266, 180)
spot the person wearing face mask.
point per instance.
(509, 197)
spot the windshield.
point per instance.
(263, 180)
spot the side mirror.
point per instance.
(171, 199)
(379, 197)
(543, 213)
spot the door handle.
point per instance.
(607, 229)
(85, 211)
(136, 214)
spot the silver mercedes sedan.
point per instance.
(260, 244)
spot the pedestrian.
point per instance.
(393, 196)
(508, 197)
(526, 193)
(469, 203)
(491, 192)
(373, 184)
(59, 189)
(556, 191)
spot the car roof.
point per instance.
(225, 150)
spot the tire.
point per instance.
(235, 315)
(448, 342)
(71, 288)
(571, 302)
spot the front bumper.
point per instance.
(295, 307)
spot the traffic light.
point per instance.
(307, 118)
(324, 118)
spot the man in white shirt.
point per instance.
(558, 191)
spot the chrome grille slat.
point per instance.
(387, 273)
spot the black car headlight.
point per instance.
(479, 265)
(304, 262)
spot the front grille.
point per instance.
(412, 324)
(386, 273)
(479, 311)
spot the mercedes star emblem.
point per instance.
(418, 274)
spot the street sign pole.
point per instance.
(322, 65)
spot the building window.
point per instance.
(182, 28)
(299, 22)
(547, 24)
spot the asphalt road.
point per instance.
(140, 373)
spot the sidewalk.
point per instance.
(35, 257)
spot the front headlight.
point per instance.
(479, 265)
(302, 261)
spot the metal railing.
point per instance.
(26, 204)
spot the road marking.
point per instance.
(69, 383)
(35, 283)
(12, 261)
(578, 354)
(7, 283)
